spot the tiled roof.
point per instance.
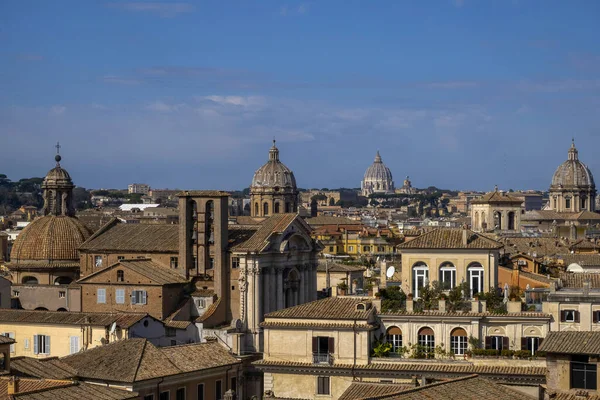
(238, 234)
(123, 320)
(497, 197)
(549, 215)
(48, 242)
(330, 220)
(575, 395)
(78, 391)
(139, 360)
(541, 247)
(275, 224)
(463, 388)
(31, 385)
(205, 193)
(416, 367)
(584, 342)
(323, 325)
(47, 368)
(585, 260)
(6, 340)
(248, 220)
(209, 311)
(156, 273)
(116, 236)
(575, 280)
(327, 309)
(335, 267)
(450, 239)
(371, 390)
(585, 244)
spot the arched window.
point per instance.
(287, 207)
(483, 221)
(276, 209)
(427, 340)
(511, 221)
(394, 337)
(475, 277)
(29, 280)
(447, 275)
(266, 209)
(420, 277)
(256, 209)
(476, 221)
(63, 280)
(568, 203)
(458, 341)
(583, 202)
(120, 276)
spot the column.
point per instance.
(257, 298)
(301, 284)
(279, 289)
(266, 290)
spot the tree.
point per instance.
(82, 198)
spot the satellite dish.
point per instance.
(390, 272)
(113, 328)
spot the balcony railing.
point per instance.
(322, 358)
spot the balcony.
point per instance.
(322, 358)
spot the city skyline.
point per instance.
(190, 95)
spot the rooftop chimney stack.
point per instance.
(13, 385)
(465, 237)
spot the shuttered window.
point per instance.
(138, 297)
(101, 296)
(120, 296)
(323, 385)
(569, 316)
(74, 344)
(41, 344)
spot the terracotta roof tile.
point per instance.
(565, 342)
(327, 309)
(450, 239)
(123, 320)
(336, 267)
(324, 325)
(79, 391)
(116, 236)
(496, 197)
(330, 220)
(205, 193)
(155, 272)
(193, 357)
(464, 388)
(275, 224)
(6, 340)
(585, 260)
(575, 280)
(371, 390)
(549, 215)
(32, 385)
(574, 395)
(48, 368)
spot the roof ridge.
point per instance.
(418, 388)
(139, 363)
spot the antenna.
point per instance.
(113, 328)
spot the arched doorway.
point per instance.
(458, 341)
(420, 277)
(394, 337)
(426, 339)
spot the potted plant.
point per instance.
(409, 296)
(369, 287)
(342, 287)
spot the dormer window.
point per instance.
(120, 275)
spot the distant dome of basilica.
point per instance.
(573, 173)
(274, 174)
(377, 179)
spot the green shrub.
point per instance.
(507, 353)
(523, 354)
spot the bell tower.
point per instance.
(58, 190)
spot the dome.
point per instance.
(378, 171)
(573, 173)
(274, 174)
(50, 241)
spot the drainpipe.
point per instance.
(354, 343)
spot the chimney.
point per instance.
(13, 385)
(483, 306)
(475, 305)
(586, 288)
(442, 305)
(465, 237)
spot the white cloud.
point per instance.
(161, 106)
(57, 110)
(244, 101)
(162, 9)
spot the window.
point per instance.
(74, 348)
(531, 344)
(16, 293)
(98, 261)
(234, 383)
(219, 388)
(475, 277)
(235, 262)
(583, 203)
(138, 297)
(166, 395)
(497, 343)
(200, 391)
(420, 277)
(583, 374)
(322, 347)
(26, 344)
(350, 248)
(170, 332)
(101, 296)
(394, 336)
(200, 303)
(569, 316)
(211, 264)
(265, 209)
(427, 340)
(448, 275)
(173, 342)
(567, 203)
(331, 249)
(458, 341)
(366, 248)
(120, 258)
(194, 262)
(180, 394)
(120, 275)
(276, 208)
(149, 397)
(596, 316)
(62, 294)
(41, 344)
(120, 296)
(174, 262)
(323, 385)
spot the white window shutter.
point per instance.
(144, 297)
(35, 344)
(47, 345)
(26, 344)
(74, 344)
(133, 297)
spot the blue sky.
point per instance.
(459, 94)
